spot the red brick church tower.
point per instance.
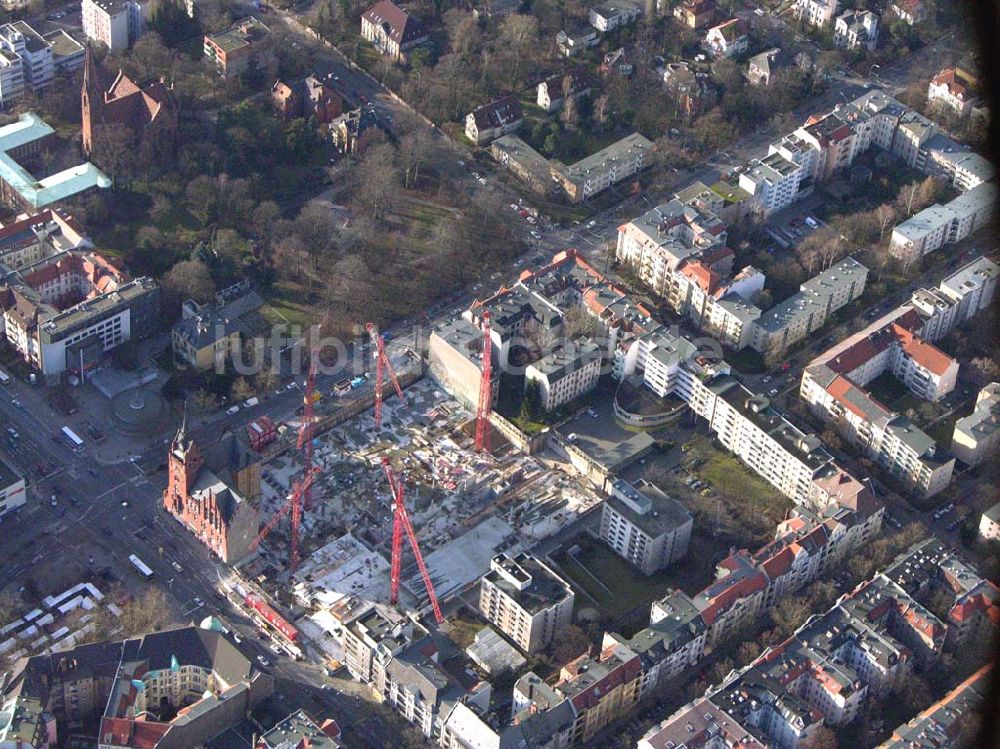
(150, 112)
(183, 466)
(219, 517)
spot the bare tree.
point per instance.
(415, 148)
(885, 214)
(521, 33)
(379, 177)
(190, 279)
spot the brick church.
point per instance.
(213, 508)
(149, 112)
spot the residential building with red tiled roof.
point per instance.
(900, 342)
(392, 30)
(955, 89)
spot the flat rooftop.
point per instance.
(627, 148)
(647, 507)
(40, 193)
(603, 440)
(545, 589)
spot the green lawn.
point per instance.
(619, 588)
(463, 631)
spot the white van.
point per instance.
(250, 402)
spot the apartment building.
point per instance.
(938, 225)
(977, 435)
(644, 526)
(909, 11)
(417, 687)
(609, 16)
(856, 29)
(695, 14)
(63, 312)
(729, 38)
(833, 386)
(764, 67)
(30, 61)
(554, 90)
(766, 441)
(824, 674)
(566, 374)
(392, 30)
(38, 236)
(13, 489)
(808, 310)
(942, 724)
(607, 167)
(209, 335)
(197, 679)
(524, 599)
(955, 89)
(490, 121)
(523, 161)
(247, 45)
(114, 23)
(773, 182)
(989, 524)
(816, 12)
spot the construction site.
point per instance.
(335, 510)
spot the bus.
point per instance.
(140, 565)
(71, 439)
(4, 378)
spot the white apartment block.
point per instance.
(773, 182)
(644, 526)
(11, 77)
(609, 16)
(525, 600)
(30, 60)
(13, 489)
(989, 524)
(567, 373)
(34, 53)
(808, 310)
(777, 451)
(938, 225)
(856, 29)
(816, 12)
(114, 23)
(977, 435)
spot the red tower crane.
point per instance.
(382, 365)
(294, 503)
(304, 443)
(301, 494)
(401, 523)
(485, 390)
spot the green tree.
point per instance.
(531, 403)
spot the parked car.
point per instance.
(251, 402)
